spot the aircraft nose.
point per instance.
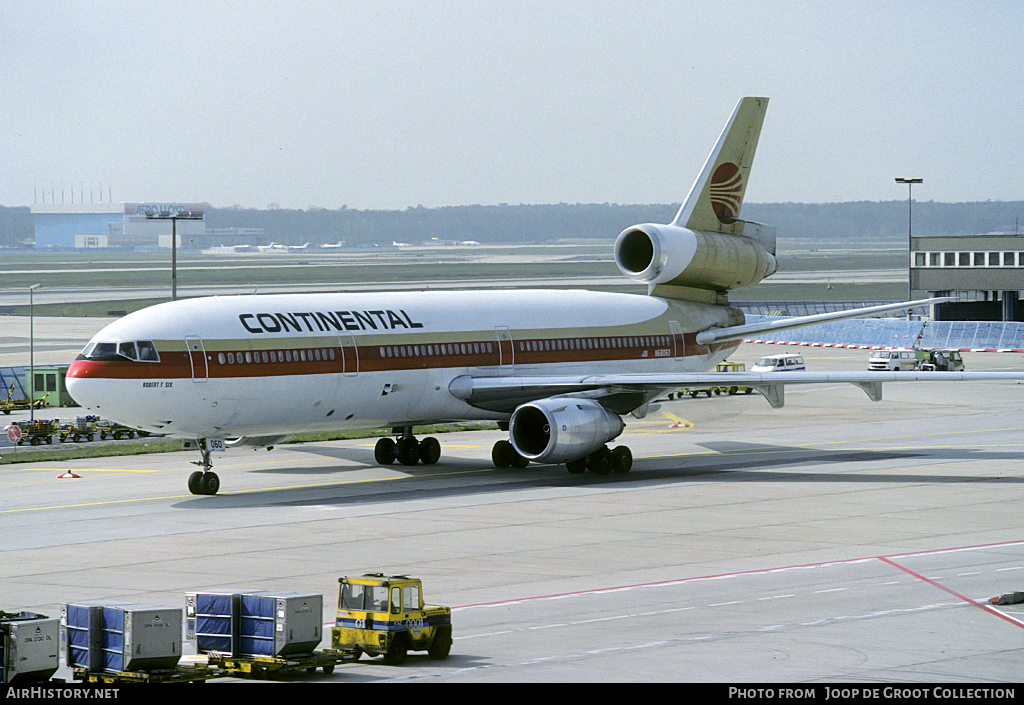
(82, 383)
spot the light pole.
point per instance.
(910, 224)
(174, 217)
(32, 354)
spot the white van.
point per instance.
(893, 360)
(779, 363)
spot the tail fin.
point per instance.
(714, 201)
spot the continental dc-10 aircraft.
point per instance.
(558, 369)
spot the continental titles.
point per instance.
(326, 321)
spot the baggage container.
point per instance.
(213, 620)
(114, 637)
(29, 647)
(242, 623)
(280, 623)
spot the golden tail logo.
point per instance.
(714, 201)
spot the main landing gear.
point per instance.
(601, 462)
(407, 450)
(204, 481)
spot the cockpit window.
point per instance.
(147, 351)
(142, 350)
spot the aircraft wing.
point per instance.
(623, 393)
(721, 335)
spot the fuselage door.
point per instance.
(197, 358)
(506, 350)
(349, 355)
(677, 339)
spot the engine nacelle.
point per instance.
(669, 254)
(561, 429)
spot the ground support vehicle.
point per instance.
(733, 367)
(385, 616)
(114, 430)
(79, 428)
(897, 359)
(189, 673)
(941, 360)
(8, 405)
(732, 389)
(894, 360)
(786, 362)
(258, 667)
(38, 431)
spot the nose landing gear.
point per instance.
(204, 481)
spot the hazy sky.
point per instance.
(386, 104)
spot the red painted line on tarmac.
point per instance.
(954, 593)
(595, 591)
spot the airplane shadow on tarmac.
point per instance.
(728, 462)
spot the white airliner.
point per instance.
(559, 369)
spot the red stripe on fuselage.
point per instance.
(380, 358)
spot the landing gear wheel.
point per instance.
(577, 466)
(430, 451)
(209, 483)
(384, 452)
(408, 451)
(622, 459)
(600, 463)
(502, 454)
(195, 482)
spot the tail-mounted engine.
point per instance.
(561, 429)
(676, 256)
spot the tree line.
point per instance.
(863, 221)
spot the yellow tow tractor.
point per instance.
(733, 367)
(385, 616)
(732, 389)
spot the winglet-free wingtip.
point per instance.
(716, 197)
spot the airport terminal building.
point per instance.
(984, 272)
(113, 225)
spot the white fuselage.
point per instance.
(280, 364)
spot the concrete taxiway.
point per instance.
(836, 539)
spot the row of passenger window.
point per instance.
(432, 350)
(392, 351)
(649, 341)
(268, 356)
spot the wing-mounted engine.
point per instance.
(562, 429)
(670, 255)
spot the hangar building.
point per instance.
(112, 225)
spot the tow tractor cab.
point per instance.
(779, 363)
(385, 616)
(907, 359)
